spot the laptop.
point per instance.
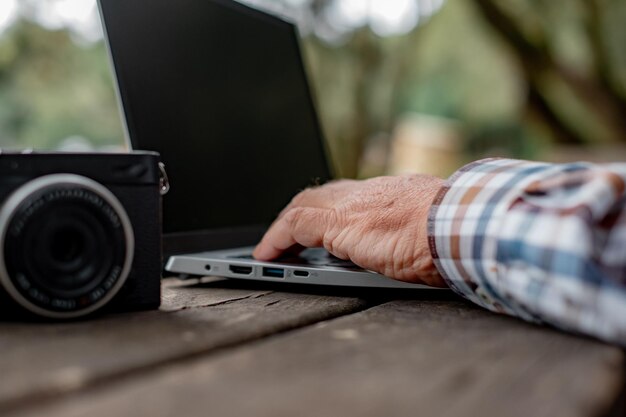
(219, 89)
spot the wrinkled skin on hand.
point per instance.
(379, 224)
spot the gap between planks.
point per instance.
(235, 316)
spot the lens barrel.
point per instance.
(66, 246)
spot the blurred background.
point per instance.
(401, 85)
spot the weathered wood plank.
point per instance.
(403, 358)
(180, 295)
(41, 360)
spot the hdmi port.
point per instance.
(238, 269)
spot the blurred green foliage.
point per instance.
(52, 88)
(518, 76)
(451, 66)
(521, 76)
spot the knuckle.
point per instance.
(336, 225)
(335, 218)
(301, 219)
(292, 216)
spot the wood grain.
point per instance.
(402, 358)
(39, 361)
(205, 292)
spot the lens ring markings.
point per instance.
(55, 281)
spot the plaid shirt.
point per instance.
(539, 241)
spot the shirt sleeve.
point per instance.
(543, 242)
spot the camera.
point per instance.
(79, 233)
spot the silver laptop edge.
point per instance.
(228, 263)
(116, 83)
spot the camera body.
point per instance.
(79, 233)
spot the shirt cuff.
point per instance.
(463, 223)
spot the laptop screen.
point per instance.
(220, 91)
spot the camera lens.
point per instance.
(67, 246)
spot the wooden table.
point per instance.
(232, 348)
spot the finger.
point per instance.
(304, 226)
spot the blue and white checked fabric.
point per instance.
(543, 242)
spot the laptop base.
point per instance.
(312, 266)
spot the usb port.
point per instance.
(274, 272)
(238, 269)
(301, 273)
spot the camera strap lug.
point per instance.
(164, 182)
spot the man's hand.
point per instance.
(379, 224)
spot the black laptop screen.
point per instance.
(220, 91)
